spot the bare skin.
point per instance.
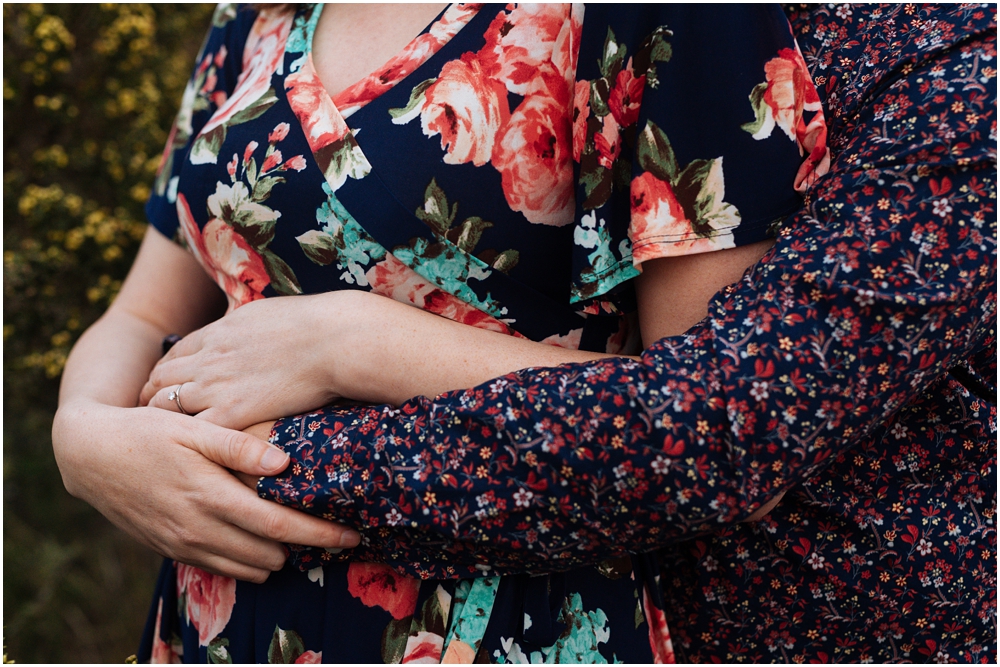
(166, 478)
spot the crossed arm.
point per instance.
(164, 478)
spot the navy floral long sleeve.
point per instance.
(854, 367)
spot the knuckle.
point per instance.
(237, 448)
(274, 525)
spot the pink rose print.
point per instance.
(415, 54)
(532, 41)
(581, 112)
(309, 658)
(209, 600)
(380, 586)
(533, 157)
(264, 49)
(396, 280)
(423, 648)
(311, 104)
(467, 109)
(626, 97)
(162, 652)
(659, 633)
(659, 226)
(225, 255)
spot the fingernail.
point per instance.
(350, 538)
(273, 458)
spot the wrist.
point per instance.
(346, 318)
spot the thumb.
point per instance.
(237, 451)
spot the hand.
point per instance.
(164, 479)
(261, 431)
(265, 360)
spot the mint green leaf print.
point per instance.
(449, 268)
(218, 652)
(354, 250)
(403, 115)
(577, 645)
(471, 611)
(656, 155)
(286, 646)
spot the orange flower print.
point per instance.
(380, 586)
(209, 600)
(225, 255)
(467, 109)
(533, 156)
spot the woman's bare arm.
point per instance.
(160, 476)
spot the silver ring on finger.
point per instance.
(175, 396)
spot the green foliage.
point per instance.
(89, 94)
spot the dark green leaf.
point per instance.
(612, 57)
(640, 618)
(597, 187)
(435, 211)
(257, 230)
(469, 233)
(218, 652)
(286, 646)
(662, 51)
(760, 109)
(432, 617)
(318, 246)
(394, 640)
(283, 279)
(262, 190)
(416, 100)
(506, 261)
(655, 153)
(599, 93)
(255, 110)
(205, 149)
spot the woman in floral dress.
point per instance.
(556, 470)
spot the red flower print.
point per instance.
(607, 142)
(321, 121)
(279, 133)
(581, 112)
(626, 96)
(209, 600)
(225, 255)
(264, 49)
(380, 586)
(467, 109)
(659, 225)
(532, 155)
(423, 648)
(272, 161)
(162, 652)
(396, 280)
(297, 162)
(309, 658)
(659, 633)
(790, 91)
(534, 48)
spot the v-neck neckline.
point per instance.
(347, 107)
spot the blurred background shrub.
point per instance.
(89, 92)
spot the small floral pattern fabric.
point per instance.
(854, 368)
(511, 169)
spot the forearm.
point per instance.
(389, 352)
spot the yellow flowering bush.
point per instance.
(89, 92)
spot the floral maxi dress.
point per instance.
(510, 169)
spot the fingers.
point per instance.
(166, 374)
(284, 524)
(174, 397)
(236, 450)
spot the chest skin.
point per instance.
(353, 40)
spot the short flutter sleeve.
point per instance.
(216, 73)
(695, 128)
